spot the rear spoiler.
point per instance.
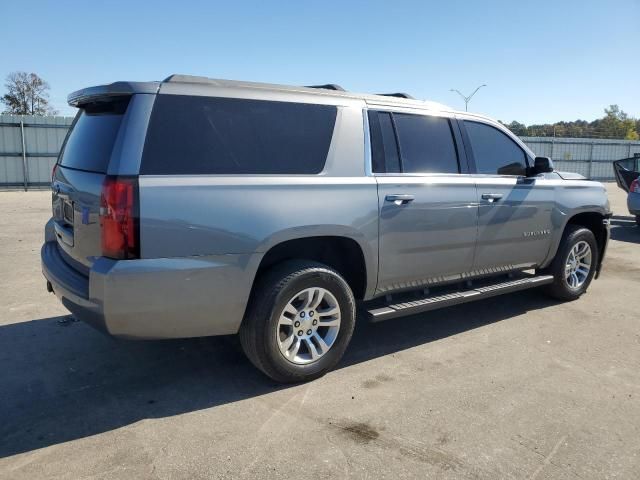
(104, 92)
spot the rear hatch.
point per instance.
(626, 171)
(78, 178)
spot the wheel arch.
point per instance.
(342, 253)
(595, 221)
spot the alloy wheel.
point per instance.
(308, 325)
(578, 264)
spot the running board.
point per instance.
(434, 302)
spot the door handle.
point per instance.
(492, 197)
(399, 199)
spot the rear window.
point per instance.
(204, 135)
(90, 141)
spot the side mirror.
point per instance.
(542, 165)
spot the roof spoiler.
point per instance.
(104, 92)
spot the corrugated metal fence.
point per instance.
(29, 147)
(590, 157)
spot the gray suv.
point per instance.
(194, 207)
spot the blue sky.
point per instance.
(543, 61)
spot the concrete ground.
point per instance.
(518, 387)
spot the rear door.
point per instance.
(514, 214)
(626, 171)
(427, 201)
(78, 176)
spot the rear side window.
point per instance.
(494, 152)
(426, 144)
(208, 135)
(91, 139)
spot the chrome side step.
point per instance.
(434, 302)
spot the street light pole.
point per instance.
(465, 98)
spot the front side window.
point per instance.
(494, 152)
(191, 135)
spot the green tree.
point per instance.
(632, 134)
(27, 94)
(517, 128)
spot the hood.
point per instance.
(571, 176)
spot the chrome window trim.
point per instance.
(413, 109)
(368, 167)
(446, 179)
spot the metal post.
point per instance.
(464, 97)
(24, 157)
(590, 160)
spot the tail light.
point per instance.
(635, 186)
(119, 218)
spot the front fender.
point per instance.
(573, 198)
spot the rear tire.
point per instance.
(299, 321)
(574, 265)
(638, 220)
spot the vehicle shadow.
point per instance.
(61, 380)
(625, 229)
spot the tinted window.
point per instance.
(90, 141)
(384, 149)
(204, 135)
(426, 144)
(494, 152)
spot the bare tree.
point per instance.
(27, 94)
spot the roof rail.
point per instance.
(397, 94)
(328, 86)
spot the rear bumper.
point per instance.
(633, 203)
(70, 286)
(155, 298)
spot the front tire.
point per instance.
(574, 265)
(299, 321)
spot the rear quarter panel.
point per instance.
(184, 215)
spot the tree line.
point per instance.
(615, 124)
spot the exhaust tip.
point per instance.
(49, 287)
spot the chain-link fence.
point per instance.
(29, 147)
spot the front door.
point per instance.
(427, 201)
(514, 213)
